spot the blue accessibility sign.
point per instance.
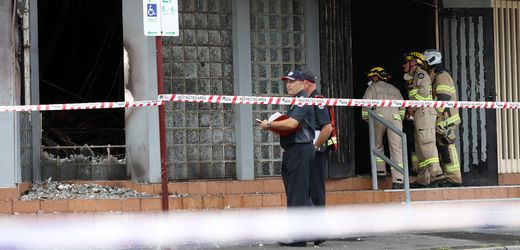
(151, 9)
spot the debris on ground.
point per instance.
(60, 191)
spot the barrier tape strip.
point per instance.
(335, 102)
(80, 106)
(262, 100)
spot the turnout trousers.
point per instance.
(394, 144)
(425, 146)
(449, 159)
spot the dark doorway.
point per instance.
(81, 60)
(381, 32)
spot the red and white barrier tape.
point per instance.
(264, 101)
(80, 106)
(335, 102)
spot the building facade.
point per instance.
(235, 47)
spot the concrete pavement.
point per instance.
(483, 238)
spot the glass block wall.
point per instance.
(200, 137)
(277, 46)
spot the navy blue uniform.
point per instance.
(298, 155)
(317, 170)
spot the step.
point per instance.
(257, 200)
(232, 194)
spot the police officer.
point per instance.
(420, 89)
(448, 119)
(323, 130)
(380, 89)
(298, 148)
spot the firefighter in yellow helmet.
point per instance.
(380, 89)
(448, 119)
(420, 89)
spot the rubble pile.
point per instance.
(59, 191)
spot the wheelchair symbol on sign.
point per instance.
(152, 10)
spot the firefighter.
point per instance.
(420, 89)
(448, 119)
(381, 90)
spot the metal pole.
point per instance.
(405, 168)
(162, 124)
(372, 148)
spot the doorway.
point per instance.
(382, 31)
(81, 60)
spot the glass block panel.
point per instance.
(202, 5)
(275, 56)
(274, 7)
(202, 37)
(201, 20)
(225, 7)
(259, 6)
(215, 54)
(262, 22)
(276, 27)
(213, 21)
(215, 70)
(190, 70)
(275, 38)
(226, 38)
(287, 39)
(261, 39)
(190, 53)
(298, 8)
(189, 37)
(214, 37)
(203, 54)
(188, 21)
(286, 7)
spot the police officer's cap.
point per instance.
(293, 75)
(307, 75)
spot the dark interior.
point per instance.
(81, 60)
(382, 31)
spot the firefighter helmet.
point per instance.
(433, 56)
(415, 56)
(378, 71)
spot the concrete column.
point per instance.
(312, 38)
(141, 124)
(10, 166)
(243, 86)
(35, 91)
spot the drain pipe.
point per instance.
(162, 124)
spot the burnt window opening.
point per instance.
(81, 60)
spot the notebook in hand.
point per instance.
(280, 117)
